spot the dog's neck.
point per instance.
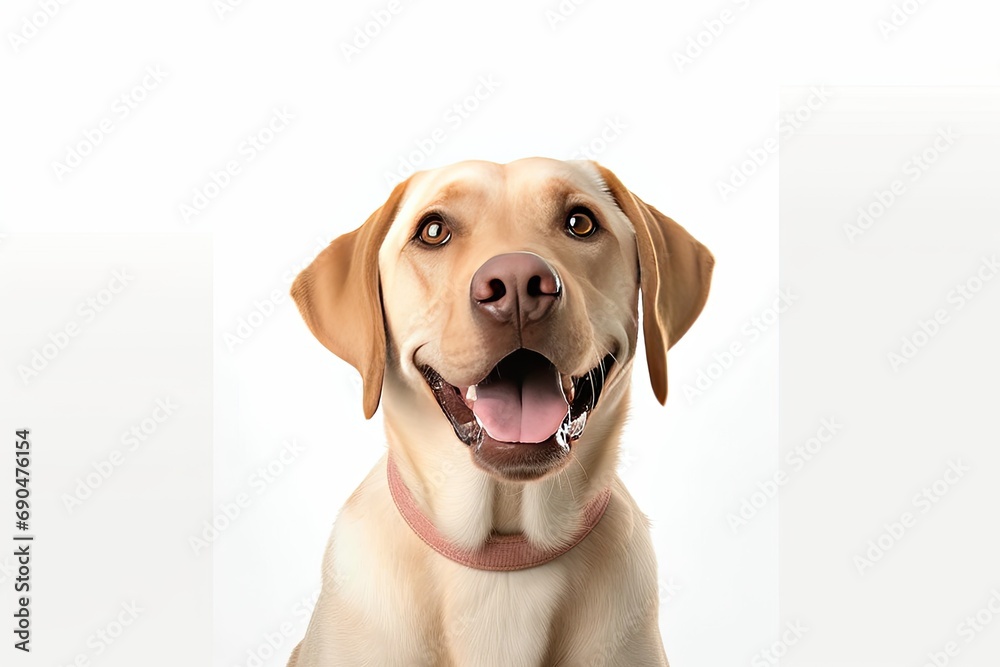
(498, 552)
(468, 508)
(467, 505)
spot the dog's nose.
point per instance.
(516, 287)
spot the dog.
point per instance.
(494, 311)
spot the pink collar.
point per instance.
(500, 553)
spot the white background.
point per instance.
(560, 83)
(914, 433)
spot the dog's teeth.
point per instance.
(470, 395)
(569, 389)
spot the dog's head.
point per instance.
(508, 296)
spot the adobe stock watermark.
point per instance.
(248, 150)
(8, 568)
(698, 43)
(610, 131)
(265, 307)
(922, 502)
(626, 459)
(791, 122)
(899, 16)
(76, 152)
(771, 656)
(668, 589)
(452, 119)
(223, 8)
(795, 460)
(913, 169)
(450, 634)
(99, 641)
(366, 33)
(132, 440)
(231, 510)
(966, 631)
(957, 298)
(559, 13)
(43, 356)
(623, 636)
(32, 24)
(270, 643)
(752, 331)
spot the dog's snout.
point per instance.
(518, 287)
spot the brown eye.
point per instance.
(580, 223)
(433, 232)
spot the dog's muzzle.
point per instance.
(521, 418)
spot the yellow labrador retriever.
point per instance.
(494, 309)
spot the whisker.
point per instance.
(586, 477)
(552, 488)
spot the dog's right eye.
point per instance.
(433, 232)
(581, 223)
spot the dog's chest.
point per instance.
(485, 611)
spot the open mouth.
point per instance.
(521, 419)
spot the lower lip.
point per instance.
(520, 462)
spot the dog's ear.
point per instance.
(675, 274)
(339, 297)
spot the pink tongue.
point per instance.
(530, 411)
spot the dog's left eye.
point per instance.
(581, 223)
(433, 232)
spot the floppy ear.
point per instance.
(338, 296)
(675, 274)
